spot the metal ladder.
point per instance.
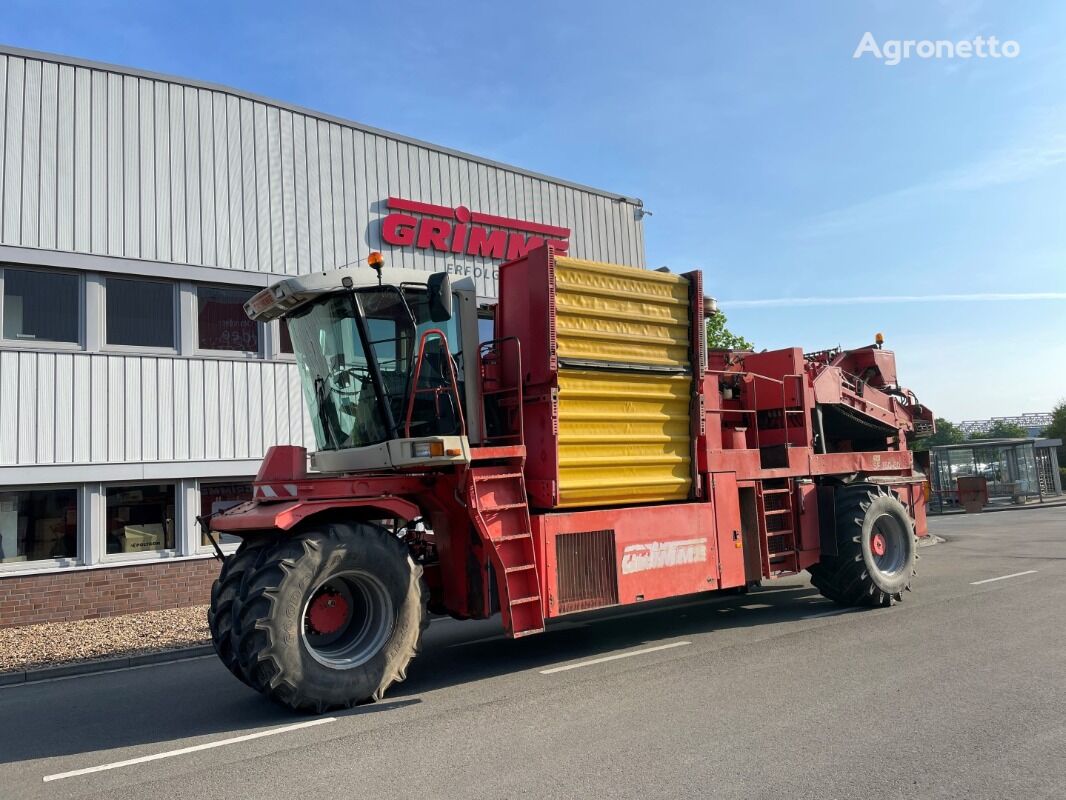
(497, 494)
(777, 516)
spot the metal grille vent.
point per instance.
(776, 521)
(777, 543)
(588, 577)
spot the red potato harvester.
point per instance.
(593, 454)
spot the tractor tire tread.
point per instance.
(844, 578)
(225, 591)
(256, 650)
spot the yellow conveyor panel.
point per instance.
(624, 437)
(609, 314)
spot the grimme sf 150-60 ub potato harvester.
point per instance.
(592, 454)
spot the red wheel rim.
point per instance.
(328, 612)
(877, 544)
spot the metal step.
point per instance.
(529, 632)
(522, 600)
(522, 568)
(504, 507)
(783, 554)
(497, 477)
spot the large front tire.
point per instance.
(331, 617)
(224, 593)
(876, 546)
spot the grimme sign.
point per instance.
(461, 231)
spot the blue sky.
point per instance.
(784, 168)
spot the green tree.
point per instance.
(947, 432)
(1003, 430)
(719, 337)
(1057, 428)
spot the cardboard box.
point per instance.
(141, 538)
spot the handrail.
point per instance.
(436, 389)
(483, 351)
(784, 407)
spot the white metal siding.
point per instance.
(80, 408)
(199, 176)
(114, 163)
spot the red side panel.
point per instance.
(286, 515)
(912, 495)
(540, 416)
(624, 555)
(526, 310)
(727, 529)
(283, 462)
(809, 543)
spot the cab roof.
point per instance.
(285, 295)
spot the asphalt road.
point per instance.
(958, 692)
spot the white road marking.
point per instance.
(615, 657)
(184, 750)
(1003, 577)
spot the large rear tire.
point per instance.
(876, 547)
(331, 617)
(224, 593)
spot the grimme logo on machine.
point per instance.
(656, 555)
(462, 231)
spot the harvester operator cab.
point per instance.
(381, 363)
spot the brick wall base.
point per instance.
(105, 592)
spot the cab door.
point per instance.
(728, 530)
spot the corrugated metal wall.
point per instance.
(122, 165)
(76, 408)
(142, 167)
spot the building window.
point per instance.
(221, 320)
(140, 518)
(140, 313)
(286, 338)
(41, 306)
(217, 497)
(38, 525)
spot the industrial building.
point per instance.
(138, 212)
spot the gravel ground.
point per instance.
(51, 643)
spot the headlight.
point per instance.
(428, 449)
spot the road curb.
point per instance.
(1027, 507)
(103, 665)
(999, 509)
